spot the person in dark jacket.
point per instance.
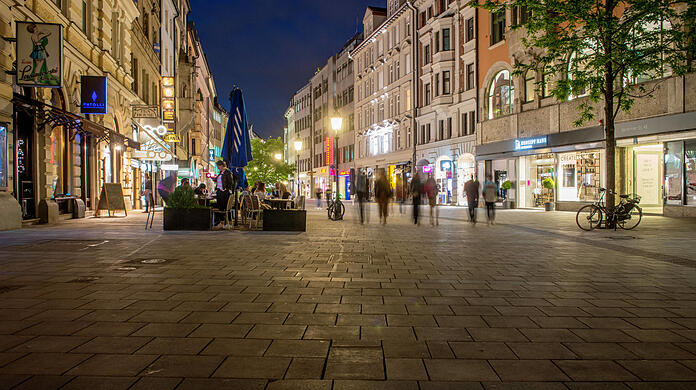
(225, 184)
(416, 192)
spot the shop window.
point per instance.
(529, 85)
(501, 95)
(690, 153)
(674, 153)
(579, 176)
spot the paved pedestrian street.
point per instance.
(529, 303)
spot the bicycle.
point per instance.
(626, 215)
(335, 209)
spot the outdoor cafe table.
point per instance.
(279, 203)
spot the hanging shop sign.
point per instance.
(154, 155)
(93, 92)
(39, 54)
(172, 138)
(531, 143)
(168, 95)
(145, 112)
(3, 156)
(329, 150)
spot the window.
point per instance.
(472, 122)
(497, 27)
(446, 88)
(398, 104)
(529, 83)
(422, 134)
(437, 41)
(426, 54)
(501, 95)
(470, 81)
(193, 146)
(408, 63)
(673, 172)
(446, 39)
(469, 29)
(442, 130)
(449, 127)
(690, 162)
(85, 17)
(548, 83)
(397, 71)
(427, 94)
(427, 132)
(437, 84)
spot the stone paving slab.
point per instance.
(528, 303)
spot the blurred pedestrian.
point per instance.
(317, 193)
(490, 196)
(224, 185)
(416, 190)
(430, 189)
(147, 193)
(166, 186)
(383, 194)
(472, 188)
(361, 190)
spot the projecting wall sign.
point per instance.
(93, 93)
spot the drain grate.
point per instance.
(5, 289)
(84, 279)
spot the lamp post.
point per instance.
(336, 123)
(298, 147)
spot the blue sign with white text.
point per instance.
(531, 143)
(94, 94)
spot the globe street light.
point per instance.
(278, 156)
(336, 123)
(298, 147)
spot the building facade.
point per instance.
(446, 120)
(529, 138)
(385, 103)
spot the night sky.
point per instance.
(270, 48)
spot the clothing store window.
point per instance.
(690, 161)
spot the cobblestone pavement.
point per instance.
(528, 303)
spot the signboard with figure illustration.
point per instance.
(39, 54)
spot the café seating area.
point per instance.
(271, 214)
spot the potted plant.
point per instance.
(504, 188)
(548, 185)
(184, 213)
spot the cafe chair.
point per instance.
(255, 212)
(226, 212)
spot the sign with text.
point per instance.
(172, 138)
(531, 143)
(154, 155)
(39, 54)
(3, 156)
(93, 93)
(145, 112)
(329, 150)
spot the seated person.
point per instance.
(260, 190)
(201, 190)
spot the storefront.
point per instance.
(466, 170)
(554, 170)
(444, 169)
(656, 159)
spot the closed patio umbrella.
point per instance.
(236, 146)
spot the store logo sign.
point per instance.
(530, 143)
(93, 93)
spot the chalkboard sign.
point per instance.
(111, 199)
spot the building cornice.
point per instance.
(380, 29)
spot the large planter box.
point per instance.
(285, 220)
(187, 219)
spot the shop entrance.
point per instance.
(25, 164)
(466, 169)
(643, 173)
(537, 174)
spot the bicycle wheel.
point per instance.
(340, 210)
(589, 217)
(632, 220)
(330, 212)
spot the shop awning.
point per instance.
(53, 117)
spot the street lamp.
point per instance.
(336, 123)
(278, 156)
(298, 147)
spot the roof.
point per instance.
(377, 9)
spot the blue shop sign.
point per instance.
(94, 94)
(531, 143)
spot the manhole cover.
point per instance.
(4, 289)
(126, 269)
(153, 261)
(84, 279)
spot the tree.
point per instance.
(265, 167)
(606, 49)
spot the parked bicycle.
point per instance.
(335, 208)
(626, 215)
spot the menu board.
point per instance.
(647, 175)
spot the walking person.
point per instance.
(416, 189)
(383, 194)
(166, 186)
(361, 190)
(490, 196)
(317, 193)
(472, 188)
(430, 189)
(147, 193)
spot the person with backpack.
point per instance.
(490, 196)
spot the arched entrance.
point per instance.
(466, 170)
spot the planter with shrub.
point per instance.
(184, 213)
(504, 188)
(548, 186)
